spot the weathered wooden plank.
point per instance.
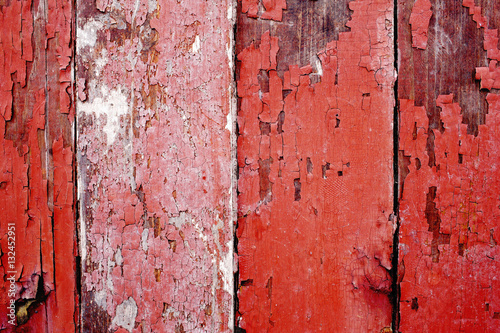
(36, 184)
(315, 147)
(449, 149)
(154, 153)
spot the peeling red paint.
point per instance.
(156, 150)
(449, 212)
(250, 7)
(419, 20)
(155, 91)
(273, 9)
(476, 13)
(264, 9)
(466, 205)
(313, 158)
(37, 164)
(490, 76)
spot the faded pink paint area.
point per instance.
(315, 183)
(155, 143)
(419, 20)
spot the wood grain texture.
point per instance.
(155, 165)
(305, 28)
(156, 160)
(449, 139)
(315, 165)
(36, 166)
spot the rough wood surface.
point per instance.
(36, 166)
(155, 165)
(450, 160)
(315, 147)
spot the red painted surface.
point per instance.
(419, 20)
(450, 211)
(449, 228)
(36, 170)
(264, 9)
(476, 13)
(155, 85)
(315, 183)
(155, 160)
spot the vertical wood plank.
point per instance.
(154, 154)
(449, 158)
(315, 157)
(36, 166)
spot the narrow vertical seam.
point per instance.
(395, 290)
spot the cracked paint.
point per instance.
(449, 209)
(446, 65)
(156, 177)
(157, 159)
(465, 202)
(315, 154)
(419, 20)
(264, 9)
(110, 104)
(126, 313)
(36, 168)
(307, 26)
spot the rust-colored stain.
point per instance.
(37, 235)
(449, 210)
(155, 172)
(315, 186)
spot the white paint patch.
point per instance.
(231, 12)
(87, 36)
(136, 9)
(109, 276)
(230, 56)
(100, 298)
(229, 120)
(226, 267)
(101, 62)
(152, 6)
(195, 47)
(126, 314)
(111, 104)
(180, 220)
(202, 235)
(119, 257)
(83, 224)
(144, 240)
(116, 5)
(316, 65)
